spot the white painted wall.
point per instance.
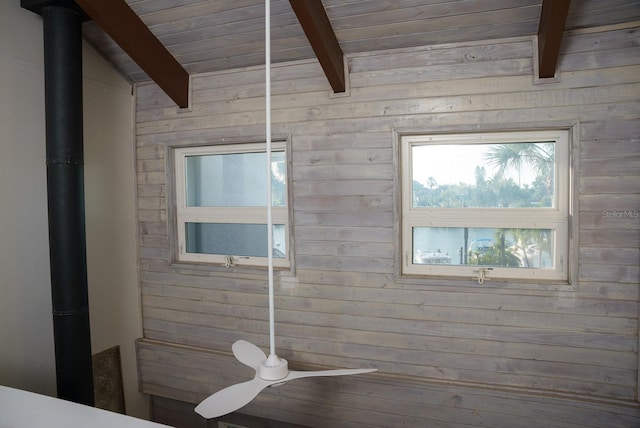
(114, 296)
(26, 332)
(26, 326)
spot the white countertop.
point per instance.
(20, 409)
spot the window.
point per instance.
(493, 204)
(221, 198)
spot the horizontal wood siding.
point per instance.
(449, 353)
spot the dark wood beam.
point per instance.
(127, 29)
(316, 26)
(552, 21)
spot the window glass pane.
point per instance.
(514, 248)
(234, 239)
(507, 175)
(234, 180)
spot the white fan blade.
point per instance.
(234, 397)
(339, 372)
(230, 399)
(248, 354)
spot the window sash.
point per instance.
(559, 228)
(224, 215)
(554, 218)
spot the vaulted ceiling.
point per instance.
(211, 35)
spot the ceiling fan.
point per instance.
(269, 370)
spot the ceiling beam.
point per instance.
(553, 18)
(316, 26)
(125, 27)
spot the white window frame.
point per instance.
(238, 215)
(555, 218)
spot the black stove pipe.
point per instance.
(65, 193)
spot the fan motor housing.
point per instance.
(273, 368)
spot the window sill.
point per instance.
(220, 267)
(421, 281)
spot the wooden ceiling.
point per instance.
(211, 35)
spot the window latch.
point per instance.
(229, 261)
(482, 275)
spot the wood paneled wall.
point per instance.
(449, 353)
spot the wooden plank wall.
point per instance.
(449, 353)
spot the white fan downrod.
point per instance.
(269, 370)
(273, 368)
